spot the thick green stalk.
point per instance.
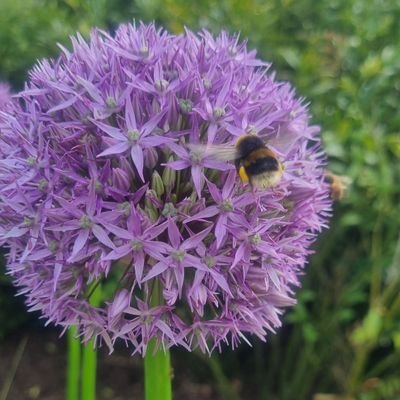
(73, 364)
(157, 365)
(89, 363)
(157, 374)
(89, 359)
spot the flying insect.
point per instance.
(255, 162)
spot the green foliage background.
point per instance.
(343, 337)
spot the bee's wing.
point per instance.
(222, 152)
(282, 142)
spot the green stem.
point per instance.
(157, 364)
(89, 359)
(157, 373)
(224, 386)
(12, 369)
(357, 369)
(73, 362)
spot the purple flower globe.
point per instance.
(100, 188)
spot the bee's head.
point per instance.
(247, 144)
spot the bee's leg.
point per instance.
(276, 190)
(256, 195)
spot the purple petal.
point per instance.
(220, 229)
(39, 255)
(56, 275)
(179, 272)
(266, 248)
(80, 241)
(62, 106)
(179, 150)
(234, 130)
(215, 193)
(118, 253)
(198, 278)
(130, 114)
(137, 158)
(15, 232)
(154, 141)
(221, 99)
(120, 303)
(156, 249)
(229, 184)
(215, 164)
(94, 93)
(155, 230)
(65, 227)
(69, 206)
(156, 270)
(194, 262)
(166, 330)
(149, 126)
(112, 131)
(123, 53)
(119, 232)
(115, 149)
(174, 235)
(101, 234)
(198, 179)
(244, 200)
(138, 262)
(211, 132)
(239, 255)
(195, 240)
(29, 246)
(142, 85)
(206, 213)
(221, 281)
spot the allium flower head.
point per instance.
(99, 187)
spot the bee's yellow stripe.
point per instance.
(243, 174)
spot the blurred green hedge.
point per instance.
(343, 56)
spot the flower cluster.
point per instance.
(100, 188)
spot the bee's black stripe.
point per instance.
(262, 165)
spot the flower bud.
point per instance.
(124, 208)
(43, 185)
(127, 167)
(185, 106)
(161, 85)
(207, 83)
(169, 176)
(150, 158)
(148, 212)
(150, 205)
(187, 187)
(157, 184)
(120, 179)
(169, 210)
(218, 112)
(110, 101)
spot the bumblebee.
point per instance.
(338, 184)
(255, 162)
